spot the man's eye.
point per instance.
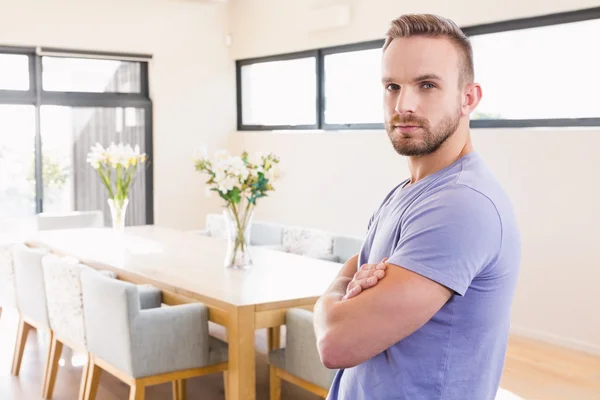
(427, 85)
(392, 87)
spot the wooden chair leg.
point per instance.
(179, 390)
(22, 333)
(183, 389)
(137, 391)
(226, 383)
(175, 390)
(274, 384)
(51, 368)
(93, 379)
(47, 363)
(84, 378)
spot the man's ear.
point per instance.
(471, 98)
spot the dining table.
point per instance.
(189, 267)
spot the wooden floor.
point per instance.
(534, 371)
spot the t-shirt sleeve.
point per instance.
(449, 237)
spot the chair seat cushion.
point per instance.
(277, 358)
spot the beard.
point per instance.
(407, 144)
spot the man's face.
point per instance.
(422, 97)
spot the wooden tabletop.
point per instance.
(193, 265)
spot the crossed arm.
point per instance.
(354, 329)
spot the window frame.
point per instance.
(348, 48)
(38, 97)
(283, 57)
(471, 30)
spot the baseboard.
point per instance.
(556, 339)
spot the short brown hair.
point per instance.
(430, 25)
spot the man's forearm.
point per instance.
(333, 295)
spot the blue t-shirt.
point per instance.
(455, 227)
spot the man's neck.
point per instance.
(452, 150)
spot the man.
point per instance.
(436, 326)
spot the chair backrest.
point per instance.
(8, 296)
(264, 233)
(109, 307)
(346, 246)
(216, 225)
(72, 220)
(308, 242)
(62, 277)
(29, 284)
(301, 354)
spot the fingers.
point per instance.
(380, 265)
(366, 277)
(358, 285)
(362, 274)
(352, 292)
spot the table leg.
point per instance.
(242, 355)
(274, 338)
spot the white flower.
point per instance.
(227, 184)
(235, 166)
(96, 156)
(220, 175)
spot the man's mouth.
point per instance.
(406, 128)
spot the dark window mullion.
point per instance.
(81, 99)
(144, 81)
(149, 165)
(33, 74)
(37, 86)
(17, 97)
(320, 90)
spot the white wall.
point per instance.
(334, 180)
(264, 27)
(192, 78)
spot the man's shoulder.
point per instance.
(471, 185)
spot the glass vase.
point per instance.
(238, 222)
(118, 211)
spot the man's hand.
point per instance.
(367, 276)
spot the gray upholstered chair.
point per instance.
(264, 233)
(145, 347)
(71, 220)
(7, 278)
(345, 247)
(307, 242)
(62, 278)
(216, 226)
(299, 362)
(31, 299)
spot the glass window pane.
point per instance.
(70, 183)
(90, 75)
(353, 91)
(280, 92)
(14, 72)
(538, 73)
(17, 161)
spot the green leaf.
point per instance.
(235, 195)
